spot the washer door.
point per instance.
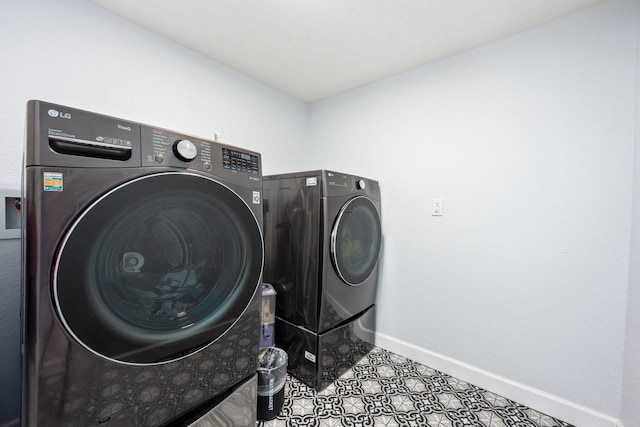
(158, 268)
(355, 240)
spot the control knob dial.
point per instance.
(185, 150)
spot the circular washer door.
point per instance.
(158, 268)
(355, 240)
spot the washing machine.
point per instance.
(323, 240)
(142, 265)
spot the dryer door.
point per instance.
(158, 268)
(356, 240)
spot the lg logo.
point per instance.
(56, 113)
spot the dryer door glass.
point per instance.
(158, 268)
(355, 240)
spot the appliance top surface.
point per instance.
(331, 183)
(318, 172)
(59, 136)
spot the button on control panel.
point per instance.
(240, 161)
(185, 150)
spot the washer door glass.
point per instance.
(355, 240)
(158, 268)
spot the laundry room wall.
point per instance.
(631, 390)
(522, 283)
(74, 53)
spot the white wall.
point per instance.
(74, 53)
(529, 140)
(631, 391)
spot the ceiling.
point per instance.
(313, 49)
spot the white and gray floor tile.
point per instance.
(387, 390)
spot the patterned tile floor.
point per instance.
(384, 389)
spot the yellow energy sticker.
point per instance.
(52, 181)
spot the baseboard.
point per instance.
(546, 403)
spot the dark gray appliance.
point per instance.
(322, 243)
(143, 258)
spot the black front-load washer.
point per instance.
(143, 256)
(323, 239)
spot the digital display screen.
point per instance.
(239, 161)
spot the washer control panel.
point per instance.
(240, 161)
(64, 135)
(162, 147)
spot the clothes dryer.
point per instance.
(322, 244)
(143, 258)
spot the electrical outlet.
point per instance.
(437, 207)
